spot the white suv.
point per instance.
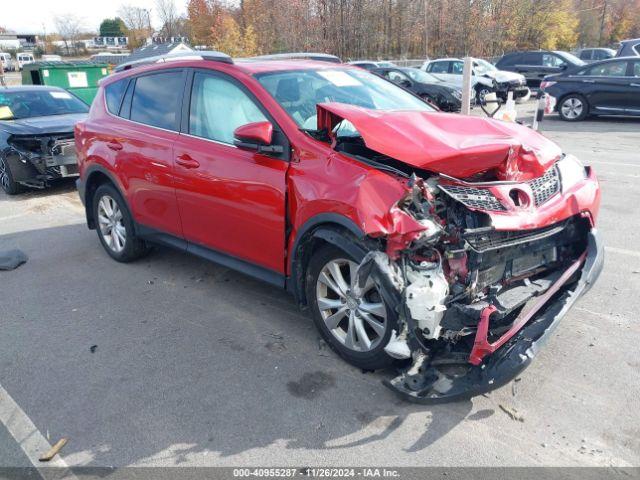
(486, 77)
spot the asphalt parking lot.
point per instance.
(194, 364)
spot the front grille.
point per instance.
(488, 239)
(546, 186)
(472, 197)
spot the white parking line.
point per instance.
(30, 440)
(623, 251)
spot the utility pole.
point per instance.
(426, 29)
(604, 14)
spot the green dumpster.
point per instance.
(79, 78)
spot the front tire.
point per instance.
(6, 179)
(114, 225)
(573, 108)
(481, 94)
(356, 329)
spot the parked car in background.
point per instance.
(371, 64)
(589, 55)
(538, 64)
(23, 59)
(486, 77)
(447, 97)
(629, 48)
(7, 64)
(36, 136)
(408, 233)
(609, 87)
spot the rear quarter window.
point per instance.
(113, 95)
(156, 99)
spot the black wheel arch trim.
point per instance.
(331, 228)
(82, 183)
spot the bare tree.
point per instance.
(69, 27)
(138, 22)
(166, 10)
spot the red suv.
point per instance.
(449, 245)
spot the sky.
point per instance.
(30, 16)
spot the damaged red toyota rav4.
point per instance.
(448, 246)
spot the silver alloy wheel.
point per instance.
(4, 175)
(358, 323)
(111, 224)
(572, 108)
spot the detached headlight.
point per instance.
(571, 171)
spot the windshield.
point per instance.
(571, 58)
(38, 103)
(421, 76)
(482, 66)
(298, 91)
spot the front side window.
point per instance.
(549, 60)
(457, 68)
(532, 58)
(156, 99)
(636, 69)
(218, 107)
(299, 91)
(611, 69)
(397, 77)
(438, 67)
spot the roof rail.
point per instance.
(195, 55)
(320, 57)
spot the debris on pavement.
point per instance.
(512, 412)
(53, 451)
(12, 259)
(93, 348)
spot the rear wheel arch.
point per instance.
(324, 229)
(97, 176)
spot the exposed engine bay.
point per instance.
(35, 160)
(461, 287)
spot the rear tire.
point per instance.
(6, 179)
(573, 108)
(114, 225)
(361, 328)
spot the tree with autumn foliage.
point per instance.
(377, 29)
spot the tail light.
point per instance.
(546, 84)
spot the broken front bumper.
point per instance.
(505, 363)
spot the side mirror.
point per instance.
(256, 136)
(404, 83)
(564, 66)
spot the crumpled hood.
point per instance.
(42, 125)
(455, 145)
(502, 76)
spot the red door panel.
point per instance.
(232, 200)
(145, 158)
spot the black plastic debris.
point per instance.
(12, 259)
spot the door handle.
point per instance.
(588, 81)
(114, 145)
(187, 162)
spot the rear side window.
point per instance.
(113, 95)
(532, 58)
(611, 69)
(156, 99)
(636, 70)
(585, 54)
(509, 60)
